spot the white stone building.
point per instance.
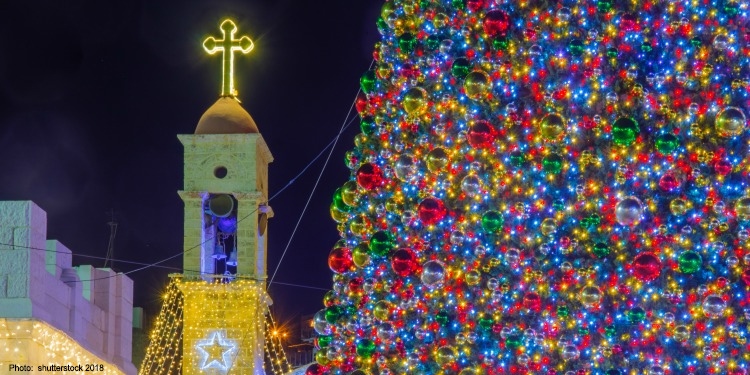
(53, 314)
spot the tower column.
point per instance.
(194, 245)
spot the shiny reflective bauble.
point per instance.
(689, 262)
(471, 185)
(437, 159)
(730, 122)
(481, 135)
(320, 324)
(477, 85)
(629, 211)
(415, 101)
(569, 352)
(590, 296)
(431, 211)
(548, 226)
(340, 260)
(742, 208)
(678, 206)
(646, 266)
(350, 193)
(552, 127)
(714, 306)
(445, 355)
(496, 23)
(681, 333)
(405, 167)
(403, 262)
(433, 273)
(369, 176)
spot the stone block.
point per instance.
(12, 261)
(18, 285)
(15, 307)
(16, 214)
(3, 286)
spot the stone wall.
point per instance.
(93, 306)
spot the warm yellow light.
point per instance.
(228, 45)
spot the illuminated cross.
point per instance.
(228, 45)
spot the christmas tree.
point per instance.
(546, 187)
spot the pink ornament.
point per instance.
(669, 182)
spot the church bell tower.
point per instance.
(225, 193)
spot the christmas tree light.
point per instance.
(546, 188)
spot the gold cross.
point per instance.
(228, 45)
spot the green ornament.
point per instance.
(696, 42)
(601, 250)
(407, 42)
(667, 143)
(460, 67)
(367, 125)
(583, 331)
(382, 243)
(517, 159)
(646, 47)
(731, 8)
(367, 82)
(612, 52)
(459, 4)
(333, 313)
(563, 311)
(636, 315)
(365, 348)
(442, 318)
(324, 341)
(604, 6)
(514, 341)
(575, 47)
(610, 331)
(592, 221)
(552, 163)
(500, 43)
(382, 25)
(625, 131)
(689, 262)
(433, 42)
(339, 202)
(492, 221)
(558, 204)
(486, 323)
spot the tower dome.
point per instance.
(226, 116)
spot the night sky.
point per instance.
(93, 94)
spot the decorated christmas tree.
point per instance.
(546, 187)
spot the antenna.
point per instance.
(108, 259)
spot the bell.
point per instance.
(232, 261)
(219, 252)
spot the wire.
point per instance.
(345, 124)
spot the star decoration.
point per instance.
(216, 352)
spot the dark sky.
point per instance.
(93, 94)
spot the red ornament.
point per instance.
(646, 266)
(315, 369)
(431, 211)
(475, 5)
(340, 260)
(627, 22)
(403, 262)
(723, 167)
(669, 182)
(746, 276)
(361, 102)
(355, 284)
(496, 23)
(369, 176)
(532, 301)
(481, 135)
